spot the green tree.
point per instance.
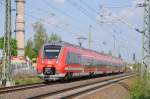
(1, 42)
(13, 43)
(40, 35)
(29, 50)
(54, 37)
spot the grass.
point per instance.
(26, 79)
(141, 88)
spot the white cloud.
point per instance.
(133, 10)
(51, 20)
(59, 1)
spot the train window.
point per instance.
(101, 63)
(91, 62)
(51, 52)
(83, 61)
(68, 58)
(78, 58)
(94, 62)
(113, 64)
(108, 64)
(88, 62)
(97, 64)
(73, 58)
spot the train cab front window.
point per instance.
(51, 52)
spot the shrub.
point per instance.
(141, 88)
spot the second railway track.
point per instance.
(61, 90)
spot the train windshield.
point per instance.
(51, 52)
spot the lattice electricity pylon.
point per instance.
(7, 39)
(146, 39)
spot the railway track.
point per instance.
(20, 87)
(81, 89)
(62, 90)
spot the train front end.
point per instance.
(49, 66)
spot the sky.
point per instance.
(71, 19)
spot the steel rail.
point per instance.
(19, 87)
(81, 89)
(53, 88)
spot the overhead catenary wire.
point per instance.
(115, 16)
(69, 15)
(88, 6)
(84, 12)
(62, 12)
(57, 26)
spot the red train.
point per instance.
(61, 60)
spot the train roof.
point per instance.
(63, 43)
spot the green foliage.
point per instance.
(29, 50)
(1, 42)
(13, 47)
(136, 66)
(13, 43)
(40, 36)
(141, 89)
(54, 37)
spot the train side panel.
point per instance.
(75, 61)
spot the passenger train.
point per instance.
(62, 60)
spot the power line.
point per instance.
(62, 12)
(87, 7)
(68, 15)
(86, 13)
(92, 9)
(52, 16)
(80, 8)
(42, 20)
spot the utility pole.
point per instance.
(80, 40)
(146, 40)
(145, 68)
(90, 26)
(114, 44)
(7, 37)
